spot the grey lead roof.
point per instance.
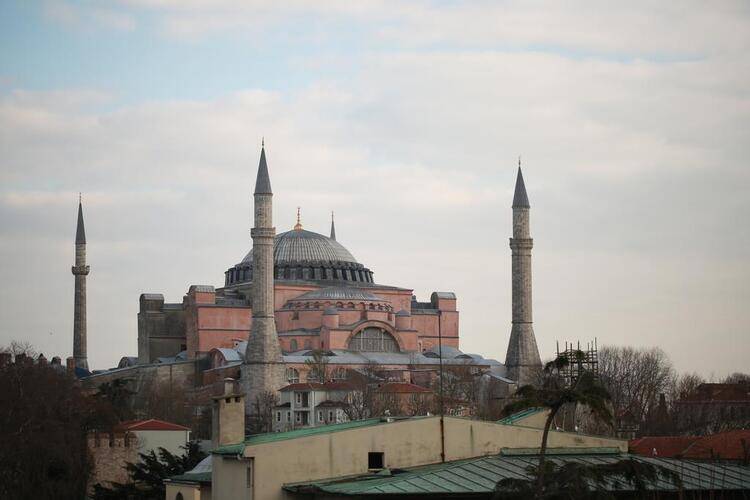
(262, 182)
(80, 231)
(339, 293)
(305, 246)
(520, 198)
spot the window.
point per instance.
(292, 375)
(373, 340)
(249, 474)
(298, 417)
(278, 416)
(375, 460)
(288, 416)
(293, 345)
(330, 416)
(320, 416)
(298, 398)
(179, 497)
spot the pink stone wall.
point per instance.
(211, 326)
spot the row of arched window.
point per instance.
(245, 273)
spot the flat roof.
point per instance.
(480, 475)
(271, 437)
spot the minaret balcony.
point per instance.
(80, 270)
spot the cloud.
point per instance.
(636, 169)
(82, 16)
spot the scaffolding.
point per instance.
(580, 360)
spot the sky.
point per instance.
(407, 119)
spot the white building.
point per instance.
(311, 404)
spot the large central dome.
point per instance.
(299, 245)
(300, 255)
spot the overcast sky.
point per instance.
(407, 119)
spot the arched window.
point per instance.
(292, 376)
(179, 497)
(373, 340)
(293, 345)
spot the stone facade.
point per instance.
(110, 454)
(80, 271)
(263, 371)
(522, 359)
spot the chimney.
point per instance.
(70, 364)
(228, 422)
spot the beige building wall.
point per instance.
(405, 443)
(169, 440)
(188, 491)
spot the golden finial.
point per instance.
(79, 197)
(519, 161)
(262, 142)
(298, 225)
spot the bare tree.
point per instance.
(634, 378)
(420, 404)
(360, 398)
(261, 420)
(317, 367)
(462, 389)
(684, 385)
(17, 347)
(737, 378)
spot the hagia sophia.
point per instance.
(298, 292)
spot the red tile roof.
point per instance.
(725, 445)
(151, 424)
(731, 445)
(661, 446)
(317, 386)
(402, 387)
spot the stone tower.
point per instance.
(522, 359)
(80, 271)
(263, 371)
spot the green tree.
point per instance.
(148, 475)
(578, 480)
(553, 393)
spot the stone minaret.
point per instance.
(263, 371)
(80, 271)
(522, 358)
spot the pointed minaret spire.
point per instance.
(263, 182)
(80, 270)
(520, 198)
(333, 228)
(80, 231)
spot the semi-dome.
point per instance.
(300, 255)
(341, 297)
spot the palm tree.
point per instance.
(554, 393)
